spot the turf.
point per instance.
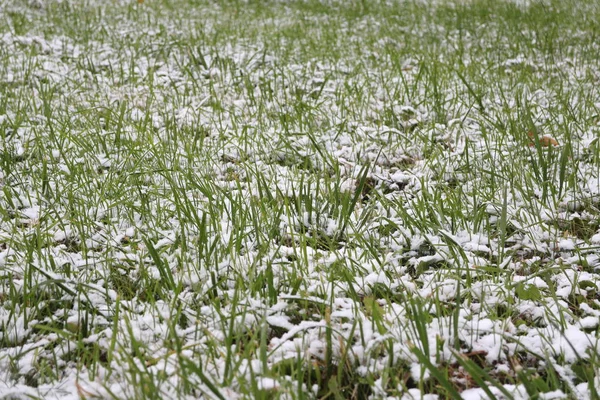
(299, 199)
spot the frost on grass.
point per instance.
(300, 198)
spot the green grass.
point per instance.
(304, 199)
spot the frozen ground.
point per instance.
(299, 199)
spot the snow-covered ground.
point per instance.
(298, 199)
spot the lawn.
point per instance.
(300, 199)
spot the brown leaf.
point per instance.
(545, 140)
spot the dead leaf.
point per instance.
(545, 140)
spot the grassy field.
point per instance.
(300, 199)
